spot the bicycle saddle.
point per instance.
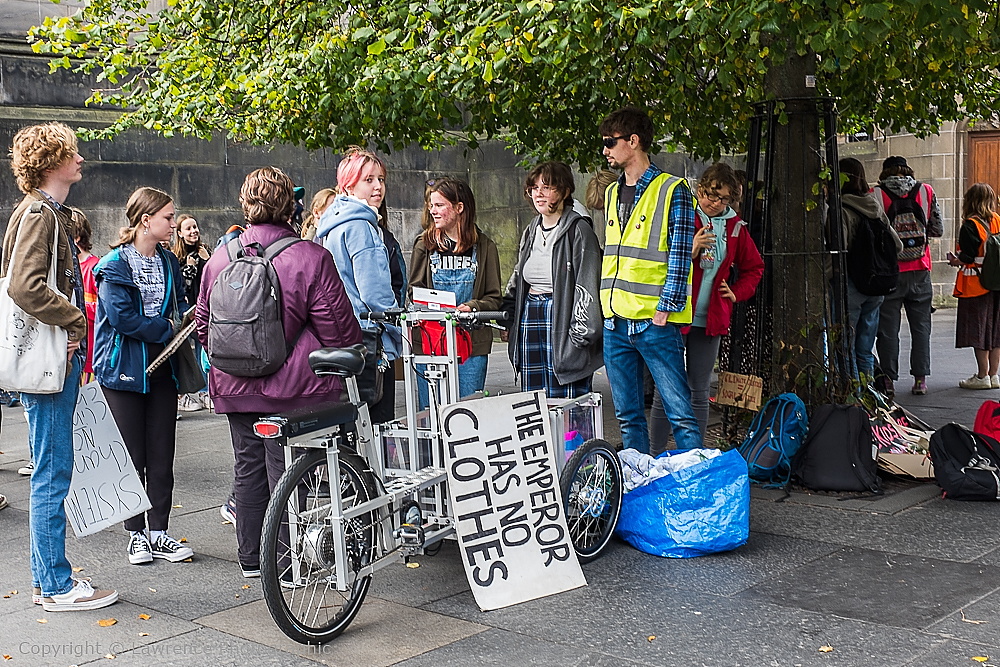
(342, 361)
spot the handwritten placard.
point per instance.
(507, 504)
(741, 391)
(105, 489)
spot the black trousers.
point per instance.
(259, 465)
(385, 409)
(148, 424)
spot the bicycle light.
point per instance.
(267, 429)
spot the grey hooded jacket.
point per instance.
(577, 323)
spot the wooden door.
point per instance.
(984, 159)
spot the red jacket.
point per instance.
(740, 250)
(313, 295)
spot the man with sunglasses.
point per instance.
(646, 281)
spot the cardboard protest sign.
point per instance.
(105, 489)
(741, 391)
(508, 509)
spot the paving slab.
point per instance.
(888, 589)
(203, 648)
(954, 652)
(978, 622)
(383, 633)
(762, 558)
(67, 638)
(689, 628)
(503, 649)
(438, 576)
(949, 530)
(187, 590)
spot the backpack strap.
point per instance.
(275, 248)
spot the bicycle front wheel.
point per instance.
(298, 556)
(591, 486)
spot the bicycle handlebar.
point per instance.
(400, 313)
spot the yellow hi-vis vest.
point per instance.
(635, 258)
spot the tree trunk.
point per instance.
(797, 245)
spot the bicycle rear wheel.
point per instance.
(591, 486)
(299, 575)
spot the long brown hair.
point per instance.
(457, 192)
(979, 202)
(144, 201)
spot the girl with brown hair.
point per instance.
(977, 324)
(454, 255)
(139, 295)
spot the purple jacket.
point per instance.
(312, 294)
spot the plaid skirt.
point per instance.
(536, 351)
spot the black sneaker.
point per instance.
(169, 549)
(139, 550)
(250, 571)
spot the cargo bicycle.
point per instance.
(356, 497)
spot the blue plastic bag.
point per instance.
(698, 510)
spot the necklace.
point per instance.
(546, 233)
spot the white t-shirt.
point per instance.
(537, 270)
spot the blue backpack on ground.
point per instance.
(775, 435)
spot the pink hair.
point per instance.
(350, 168)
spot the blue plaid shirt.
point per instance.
(680, 228)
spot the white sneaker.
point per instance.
(995, 381)
(206, 400)
(976, 382)
(139, 549)
(189, 403)
(169, 549)
(3, 501)
(26, 470)
(79, 598)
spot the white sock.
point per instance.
(155, 535)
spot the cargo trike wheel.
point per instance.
(592, 495)
(298, 550)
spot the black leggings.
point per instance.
(148, 424)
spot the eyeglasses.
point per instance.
(716, 199)
(611, 142)
(541, 189)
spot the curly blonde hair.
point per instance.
(38, 149)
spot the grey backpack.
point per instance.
(246, 336)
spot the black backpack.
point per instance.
(839, 454)
(910, 222)
(966, 464)
(989, 272)
(872, 264)
(246, 335)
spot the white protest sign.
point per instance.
(506, 500)
(106, 488)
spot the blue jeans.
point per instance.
(471, 378)
(50, 439)
(662, 349)
(862, 316)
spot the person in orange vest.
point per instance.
(977, 324)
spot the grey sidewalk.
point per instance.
(908, 579)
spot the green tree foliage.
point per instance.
(539, 74)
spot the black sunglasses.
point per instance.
(611, 142)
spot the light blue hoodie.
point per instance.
(349, 230)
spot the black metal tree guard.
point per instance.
(751, 348)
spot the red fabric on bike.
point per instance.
(436, 340)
